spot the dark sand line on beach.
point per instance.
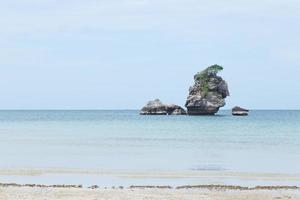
(203, 192)
(209, 187)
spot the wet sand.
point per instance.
(140, 193)
(101, 177)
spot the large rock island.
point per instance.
(208, 93)
(156, 107)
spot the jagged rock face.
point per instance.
(208, 93)
(156, 107)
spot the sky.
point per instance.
(118, 54)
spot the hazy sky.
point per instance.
(104, 54)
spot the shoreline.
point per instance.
(45, 177)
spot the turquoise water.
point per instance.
(264, 141)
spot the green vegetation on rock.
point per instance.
(202, 78)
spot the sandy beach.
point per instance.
(45, 193)
(78, 191)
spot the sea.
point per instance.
(104, 144)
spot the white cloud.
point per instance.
(46, 17)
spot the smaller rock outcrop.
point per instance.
(239, 111)
(156, 107)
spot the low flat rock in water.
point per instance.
(238, 111)
(156, 107)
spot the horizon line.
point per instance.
(132, 109)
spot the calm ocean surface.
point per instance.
(265, 141)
